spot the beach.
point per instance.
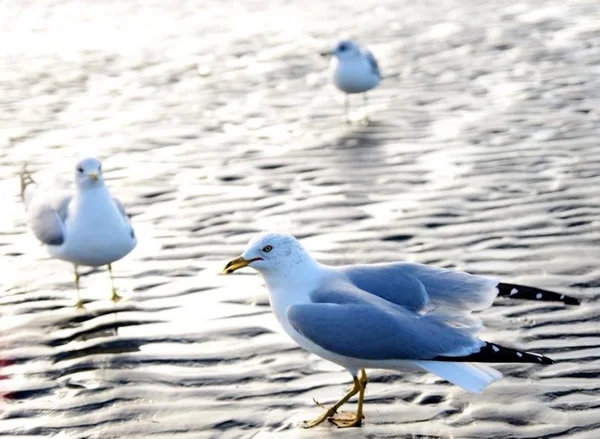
(215, 121)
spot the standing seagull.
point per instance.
(355, 70)
(87, 227)
(383, 316)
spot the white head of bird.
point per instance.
(279, 257)
(346, 49)
(88, 173)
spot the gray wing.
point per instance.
(371, 58)
(414, 286)
(389, 283)
(350, 322)
(47, 215)
(121, 209)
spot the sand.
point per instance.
(215, 122)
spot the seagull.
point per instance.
(85, 227)
(355, 70)
(390, 316)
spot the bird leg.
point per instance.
(346, 105)
(79, 303)
(363, 378)
(115, 297)
(336, 414)
(333, 409)
(353, 420)
(366, 105)
(345, 415)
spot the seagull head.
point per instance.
(272, 253)
(88, 173)
(345, 49)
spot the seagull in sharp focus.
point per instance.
(355, 70)
(390, 316)
(85, 227)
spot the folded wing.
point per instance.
(415, 286)
(350, 322)
(123, 213)
(365, 332)
(372, 61)
(47, 214)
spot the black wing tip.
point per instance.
(547, 360)
(495, 353)
(525, 292)
(56, 241)
(510, 355)
(568, 300)
(540, 359)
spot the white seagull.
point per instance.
(384, 316)
(85, 227)
(355, 70)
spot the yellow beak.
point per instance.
(93, 176)
(236, 264)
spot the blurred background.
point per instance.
(215, 120)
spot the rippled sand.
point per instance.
(215, 122)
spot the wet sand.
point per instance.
(216, 122)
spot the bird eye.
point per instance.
(80, 170)
(343, 47)
(267, 248)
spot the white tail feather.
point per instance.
(469, 376)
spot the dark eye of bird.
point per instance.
(80, 170)
(267, 248)
(342, 47)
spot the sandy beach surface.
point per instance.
(215, 120)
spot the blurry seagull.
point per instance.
(384, 316)
(355, 70)
(85, 227)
